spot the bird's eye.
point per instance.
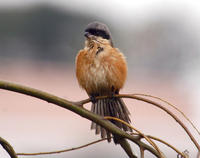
(98, 33)
(101, 33)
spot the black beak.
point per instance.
(87, 35)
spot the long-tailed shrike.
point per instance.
(101, 70)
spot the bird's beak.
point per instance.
(87, 35)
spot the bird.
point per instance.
(101, 70)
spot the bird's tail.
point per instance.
(114, 107)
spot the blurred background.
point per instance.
(39, 40)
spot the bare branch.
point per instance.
(157, 105)
(139, 133)
(61, 151)
(127, 148)
(75, 107)
(169, 112)
(8, 148)
(147, 95)
(141, 152)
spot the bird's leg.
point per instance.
(113, 92)
(93, 98)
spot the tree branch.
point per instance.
(8, 148)
(140, 134)
(182, 113)
(155, 104)
(75, 107)
(61, 151)
(169, 112)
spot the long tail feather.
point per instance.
(114, 107)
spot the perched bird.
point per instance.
(101, 70)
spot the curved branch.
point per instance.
(139, 133)
(155, 104)
(182, 113)
(169, 145)
(75, 107)
(8, 148)
(161, 141)
(61, 151)
(169, 112)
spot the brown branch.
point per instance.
(127, 148)
(76, 108)
(8, 148)
(147, 95)
(164, 142)
(169, 112)
(139, 133)
(147, 137)
(155, 104)
(141, 152)
(61, 151)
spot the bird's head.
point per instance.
(98, 32)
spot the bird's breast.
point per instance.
(99, 73)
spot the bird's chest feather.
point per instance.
(99, 71)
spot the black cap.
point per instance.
(98, 29)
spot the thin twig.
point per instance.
(61, 151)
(127, 148)
(141, 152)
(164, 142)
(8, 148)
(140, 133)
(157, 105)
(147, 95)
(169, 112)
(146, 136)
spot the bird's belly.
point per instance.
(99, 78)
(102, 73)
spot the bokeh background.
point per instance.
(39, 40)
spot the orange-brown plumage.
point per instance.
(101, 70)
